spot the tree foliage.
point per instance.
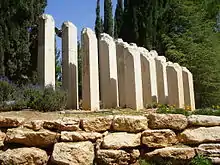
(98, 21)
(108, 17)
(185, 31)
(118, 19)
(18, 37)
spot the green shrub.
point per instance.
(33, 97)
(45, 100)
(172, 110)
(200, 160)
(7, 91)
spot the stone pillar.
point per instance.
(161, 79)
(175, 85)
(188, 88)
(120, 49)
(46, 51)
(133, 80)
(70, 64)
(108, 72)
(90, 75)
(149, 79)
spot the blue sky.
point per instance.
(79, 12)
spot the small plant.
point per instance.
(200, 160)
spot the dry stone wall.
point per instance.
(130, 76)
(114, 139)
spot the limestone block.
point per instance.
(159, 138)
(35, 125)
(23, 156)
(42, 138)
(90, 75)
(200, 135)
(121, 140)
(188, 88)
(162, 88)
(108, 72)
(70, 64)
(46, 51)
(204, 120)
(64, 124)
(153, 53)
(80, 153)
(209, 150)
(133, 79)
(9, 122)
(129, 123)
(2, 138)
(176, 153)
(113, 157)
(79, 136)
(175, 85)
(97, 124)
(167, 121)
(120, 54)
(149, 79)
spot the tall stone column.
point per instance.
(46, 51)
(161, 79)
(149, 79)
(133, 79)
(70, 64)
(175, 85)
(108, 72)
(90, 75)
(120, 49)
(189, 96)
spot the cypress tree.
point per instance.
(118, 19)
(17, 22)
(108, 18)
(98, 23)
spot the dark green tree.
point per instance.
(17, 23)
(118, 19)
(98, 21)
(108, 17)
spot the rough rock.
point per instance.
(97, 124)
(64, 124)
(121, 140)
(79, 136)
(80, 153)
(113, 157)
(210, 150)
(130, 123)
(36, 125)
(10, 122)
(24, 156)
(2, 138)
(27, 137)
(181, 153)
(159, 138)
(200, 135)
(203, 120)
(167, 121)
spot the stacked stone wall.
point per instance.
(113, 139)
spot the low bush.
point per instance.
(13, 97)
(165, 109)
(197, 160)
(200, 160)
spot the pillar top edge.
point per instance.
(47, 17)
(106, 37)
(88, 31)
(68, 24)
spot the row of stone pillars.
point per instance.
(130, 76)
